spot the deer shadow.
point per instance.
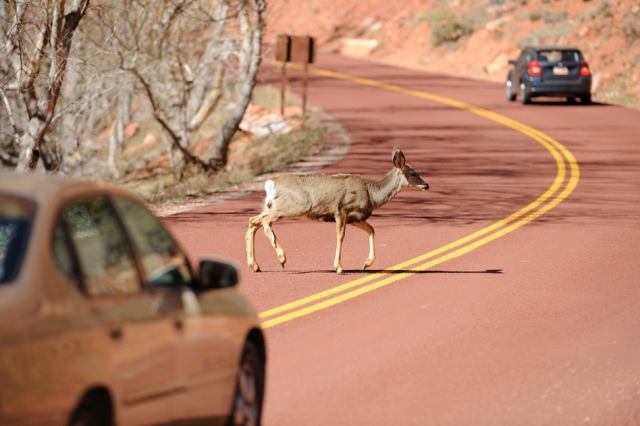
(390, 271)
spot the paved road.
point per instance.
(531, 316)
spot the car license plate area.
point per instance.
(560, 70)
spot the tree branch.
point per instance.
(10, 114)
(164, 123)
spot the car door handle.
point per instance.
(178, 320)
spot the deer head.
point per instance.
(413, 179)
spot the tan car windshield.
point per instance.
(16, 216)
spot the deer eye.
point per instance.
(412, 173)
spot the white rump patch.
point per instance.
(269, 188)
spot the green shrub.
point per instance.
(631, 27)
(552, 18)
(535, 15)
(602, 9)
(445, 27)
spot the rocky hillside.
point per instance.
(475, 38)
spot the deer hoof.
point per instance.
(255, 267)
(339, 270)
(282, 260)
(367, 263)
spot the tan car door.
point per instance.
(142, 324)
(206, 359)
(209, 356)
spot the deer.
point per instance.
(340, 198)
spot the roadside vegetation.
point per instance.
(149, 173)
(445, 26)
(158, 96)
(76, 76)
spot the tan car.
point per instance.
(103, 321)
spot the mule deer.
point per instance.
(340, 198)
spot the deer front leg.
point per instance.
(372, 251)
(254, 224)
(341, 224)
(274, 242)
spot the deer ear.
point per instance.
(398, 158)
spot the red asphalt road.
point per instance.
(540, 326)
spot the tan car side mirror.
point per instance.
(216, 273)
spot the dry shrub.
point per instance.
(445, 27)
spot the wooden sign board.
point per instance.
(283, 48)
(298, 49)
(302, 49)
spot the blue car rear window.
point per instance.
(16, 216)
(559, 56)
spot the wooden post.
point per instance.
(283, 87)
(304, 89)
(283, 54)
(298, 49)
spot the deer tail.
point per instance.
(269, 188)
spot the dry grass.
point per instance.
(249, 156)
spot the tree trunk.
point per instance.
(40, 120)
(218, 158)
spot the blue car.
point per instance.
(549, 71)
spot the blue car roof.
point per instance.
(538, 48)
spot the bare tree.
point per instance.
(249, 69)
(192, 59)
(36, 42)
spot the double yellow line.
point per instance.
(562, 186)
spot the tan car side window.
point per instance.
(164, 263)
(105, 258)
(16, 216)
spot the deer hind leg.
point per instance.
(274, 241)
(372, 251)
(254, 223)
(265, 219)
(341, 224)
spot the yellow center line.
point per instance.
(554, 147)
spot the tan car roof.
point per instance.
(46, 189)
